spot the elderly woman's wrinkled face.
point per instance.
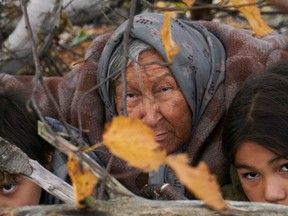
(18, 191)
(154, 96)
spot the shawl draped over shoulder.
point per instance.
(208, 82)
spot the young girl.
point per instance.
(255, 136)
(19, 127)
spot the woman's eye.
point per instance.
(284, 168)
(8, 188)
(165, 89)
(130, 95)
(250, 175)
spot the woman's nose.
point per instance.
(150, 112)
(274, 190)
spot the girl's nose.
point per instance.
(274, 190)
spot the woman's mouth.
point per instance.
(159, 137)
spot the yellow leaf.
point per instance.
(197, 180)
(171, 48)
(189, 3)
(252, 14)
(82, 178)
(133, 141)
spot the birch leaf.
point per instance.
(171, 48)
(132, 141)
(83, 180)
(189, 3)
(198, 180)
(253, 16)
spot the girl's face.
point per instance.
(262, 173)
(18, 190)
(154, 96)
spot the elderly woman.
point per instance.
(172, 100)
(184, 103)
(169, 99)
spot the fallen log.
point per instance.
(139, 206)
(120, 202)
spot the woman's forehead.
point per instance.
(150, 66)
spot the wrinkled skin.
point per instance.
(154, 96)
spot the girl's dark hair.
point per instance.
(19, 127)
(259, 113)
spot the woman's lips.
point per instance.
(160, 137)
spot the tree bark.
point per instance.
(139, 206)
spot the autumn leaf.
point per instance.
(253, 16)
(83, 180)
(134, 142)
(197, 180)
(189, 3)
(171, 48)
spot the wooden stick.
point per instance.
(51, 183)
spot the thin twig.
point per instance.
(101, 192)
(39, 78)
(126, 53)
(81, 101)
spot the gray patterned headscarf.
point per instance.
(198, 68)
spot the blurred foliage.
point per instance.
(70, 42)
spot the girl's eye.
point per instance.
(284, 168)
(251, 175)
(8, 188)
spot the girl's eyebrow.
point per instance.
(277, 158)
(243, 166)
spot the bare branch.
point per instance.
(126, 53)
(39, 78)
(51, 183)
